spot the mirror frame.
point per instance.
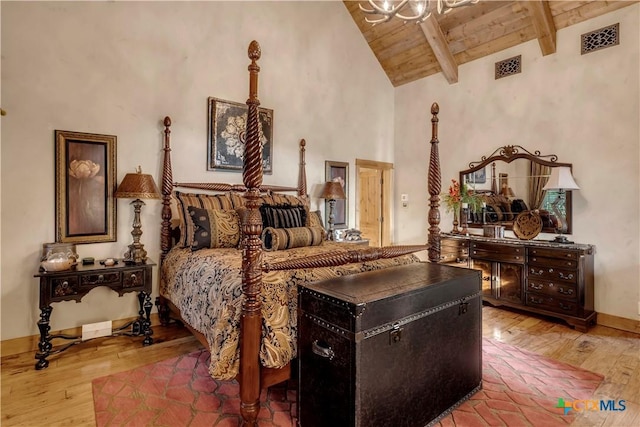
(508, 154)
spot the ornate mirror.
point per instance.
(511, 181)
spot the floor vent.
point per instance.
(508, 67)
(600, 39)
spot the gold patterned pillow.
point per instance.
(214, 228)
(274, 239)
(315, 220)
(204, 201)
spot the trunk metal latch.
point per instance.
(395, 334)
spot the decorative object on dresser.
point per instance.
(517, 185)
(73, 285)
(527, 225)
(137, 186)
(561, 179)
(227, 126)
(331, 192)
(359, 334)
(85, 182)
(535, 276)
(58, 256)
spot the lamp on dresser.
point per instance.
(561, 180)
(137, 186)
(331, 192)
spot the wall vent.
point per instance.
(508, 67)
(600, 39)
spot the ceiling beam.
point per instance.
(440, 47)
(543, 23)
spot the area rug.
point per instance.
(519, 389)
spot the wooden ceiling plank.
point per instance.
(505, 42)
(588, 11)
(496, 18)
(440, 47)
(459, 16)
(543, 24)
(493, 32)
(422, 50)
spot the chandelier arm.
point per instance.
(381, 10)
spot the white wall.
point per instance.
(584, 108)
(119, 67)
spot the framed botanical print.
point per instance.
(338, 171)
(227, 127)
(85, 185)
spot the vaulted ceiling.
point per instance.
(411, 51)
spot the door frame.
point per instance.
(387, 196)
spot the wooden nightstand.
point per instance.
(76, 283)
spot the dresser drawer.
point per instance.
(552, 262)
(516, 257)
(556, 305)
(453, 244)
(554, 253)
(567, 291)
(552, 273)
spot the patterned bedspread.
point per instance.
(206, 286)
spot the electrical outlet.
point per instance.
(96, 330)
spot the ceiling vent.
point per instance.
(508, 67)
(600, 39)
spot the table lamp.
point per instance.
(137, 186)
(561, 180)
(332, 191)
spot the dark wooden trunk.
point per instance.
(397, 347)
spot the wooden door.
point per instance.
(510, 285)
(370, 203)
(373, 195)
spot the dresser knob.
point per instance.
(100, 278)
(565, 292)
(568, 276)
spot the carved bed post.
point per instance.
(302, 174)
(251, 322)
(167, 188)
(435, 187)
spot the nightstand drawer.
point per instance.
(100, 279)
(133, 279)
(62, 287)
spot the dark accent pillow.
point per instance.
(274, 239)
(214, 228)
(283, 216)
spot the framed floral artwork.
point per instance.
(226, 130)
(85, 185)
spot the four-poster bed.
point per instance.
(251, 302)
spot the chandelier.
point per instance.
(420, 9)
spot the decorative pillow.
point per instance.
(274, 239)
(315, 220)
(204, 201)
(283, 216)
(214, 228)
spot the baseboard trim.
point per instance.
(621, 323)
(30, 343)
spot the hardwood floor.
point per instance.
(61, 395)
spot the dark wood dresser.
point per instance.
(536, 276)
(396, 347)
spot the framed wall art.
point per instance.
(85, 184)
(226, 130)
(338, 171)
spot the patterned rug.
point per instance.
(519, 389)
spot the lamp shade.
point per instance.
(332, 190)
(561, 179)
(138, 186)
